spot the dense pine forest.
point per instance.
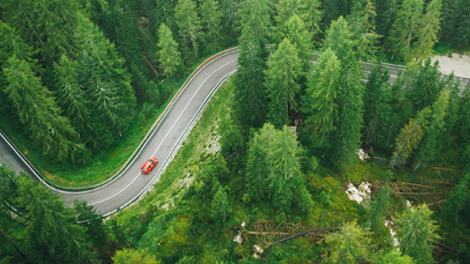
(80, 77)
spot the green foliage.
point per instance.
(378, 208)
(416, 231)
(168, 55)
(250, 92)
(211, 18)
(338, 38)
(349, 245)
(379, 117)
(308, 12)
(38, 111)
(427, 86)
(154, 94)
(132, 256)
(455, 203)
(220, 206)
(256, 20)
(320, 103)
(427, 34)
(409, 137)
(189, 23)
(282, 82)
(93, 222)
(395, 257)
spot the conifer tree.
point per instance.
(405, 28)
(54, 235)
(165, 14)
(416, 231)
(189, 23)
(250, 91)
(428, 30)
(449, 20)
(295, 31)
(378, 208)
(331, 9)
(231, 21)
(11, 44)
(338, 38)
(38, 112)
(395, 257)
(463, 30)
(409, 137)
(350, 245)
(319, 103)
(455, 203)
(168, 55)
(220, 205)
(132, 256)
(282, 76)
(386, 14)
(211, 18)
(463, 121)
(378, 113)
(256, 20)
(427, 149)
(308, 11)
(427, 86)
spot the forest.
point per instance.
(79, 80)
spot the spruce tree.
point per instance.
(416, 231)
(427, 86)
(282, 76)
(456, 201)
(211, 18)
(319, 104)
(386, 14)
(463, 30)
(428, 30)
(221, 208)
(308, 11)
(168, 54)
(378, 208)
(395, 257)
(189, 23)
(38, 112)
(250, 91)
(338, 38)
(256, 20)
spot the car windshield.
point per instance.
(151, 161)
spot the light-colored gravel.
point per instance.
(458, 63)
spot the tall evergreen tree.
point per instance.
(395, 257)
(168, 55)
(282, 76)
(463, 121)
(386, 14)
(449, 20)
(107, 84)
(211, 18)
(416, 231)
(350, 245)
(346, 138)
(378, 113)
(165, 14)
(256, 20)
(427, 86)
(409, 137)
(250, 91)
(38, 112)
(132, 256)
(405, 28)
(189, 23)
(54, 235)
(231, 21)
(427, 33)
(46, 25)
(308, 11)
(294, 30)
(427, 148)
(338, 38)
(331, 8)
(463, 30)
(378, 208)
(319, 103)
(455, 203)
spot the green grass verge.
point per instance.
(102, 165)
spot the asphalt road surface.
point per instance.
(125, 189)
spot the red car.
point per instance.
(148, 166)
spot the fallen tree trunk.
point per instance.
(317, 231)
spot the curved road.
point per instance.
(132, 183)
(125, 189)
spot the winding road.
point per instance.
(169, 130)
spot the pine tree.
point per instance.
(347, 136)
(378, 113)
(107, 84)
(256, 20)
(378, 208)
(38, 112)
(319, 103)
(165, 14)
(427, 33)
(427, 148)
(463, 121)
(395, 257)
(295, 31)
(211, 18)
(338, 38)
(132, 256)
(231, 21)
(308, 11)
(331, 11)
(349, 245)
(362, 26)
(416, 231)
(427, 86)
(47, 25)
(168, 55)
(449, 20)
(386, 14)
(189, 23)
(220, 205)
(250, 91)
(463, 30)
(53, 233)
(282, 76)
(405, 28)
(409, 137)
(91, 221)
(455, 203)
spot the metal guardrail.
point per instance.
(125, 166)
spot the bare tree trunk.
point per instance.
(318, 230)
